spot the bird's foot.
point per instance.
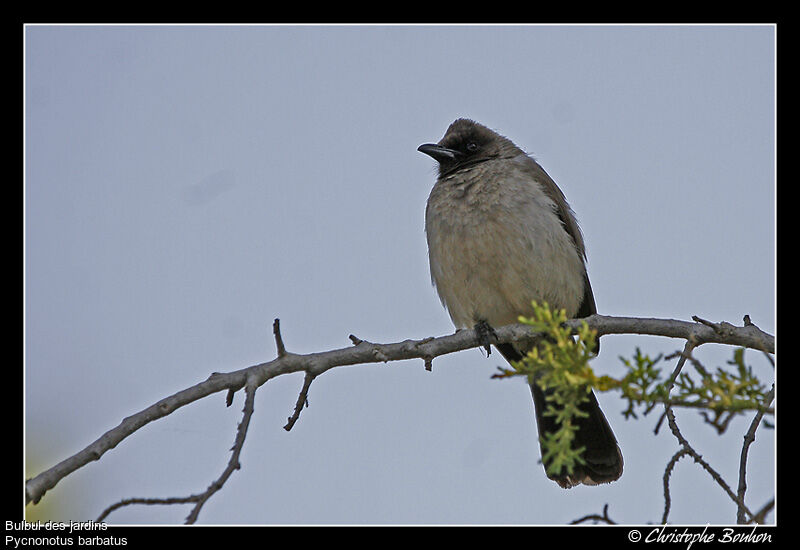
(485, 335)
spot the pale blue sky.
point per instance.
(187, 185)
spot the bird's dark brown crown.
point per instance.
(473, 142)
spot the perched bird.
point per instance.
(500, 235)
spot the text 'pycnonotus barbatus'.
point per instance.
(500, 235)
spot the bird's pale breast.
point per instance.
(496, 244)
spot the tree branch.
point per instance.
(687, 449)
(201, 498)
(302, 400)
(667, 474)
(749, 437)
(363, 352)
(699, 332)
(596, 518)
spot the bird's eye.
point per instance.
(471, 146)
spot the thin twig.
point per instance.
(145, 501)
(302, 400)
(276, 331)
(685, 444)
(749, 437)
(233, 464)
(667, 474)
(684, 355)
(760, 516)
(596, 518)
(705, 465)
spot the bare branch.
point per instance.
(749, 336)
(667, 474)
(276, 331)
(595, 518)
(233, 464)
(749, 437)
(364, 352)
(146, 501)
(686, 447)
(760, 516)
(302, 400)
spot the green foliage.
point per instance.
(719, 395)
(559, 364)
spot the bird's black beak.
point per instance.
(439, 153)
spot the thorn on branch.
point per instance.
(231, 390)
(377, 353)
(356, 341)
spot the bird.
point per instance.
(500, 235)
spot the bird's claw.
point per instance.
(485, 335)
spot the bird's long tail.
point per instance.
(602, 455)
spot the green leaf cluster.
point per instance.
(723, 392)
(559, 364)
